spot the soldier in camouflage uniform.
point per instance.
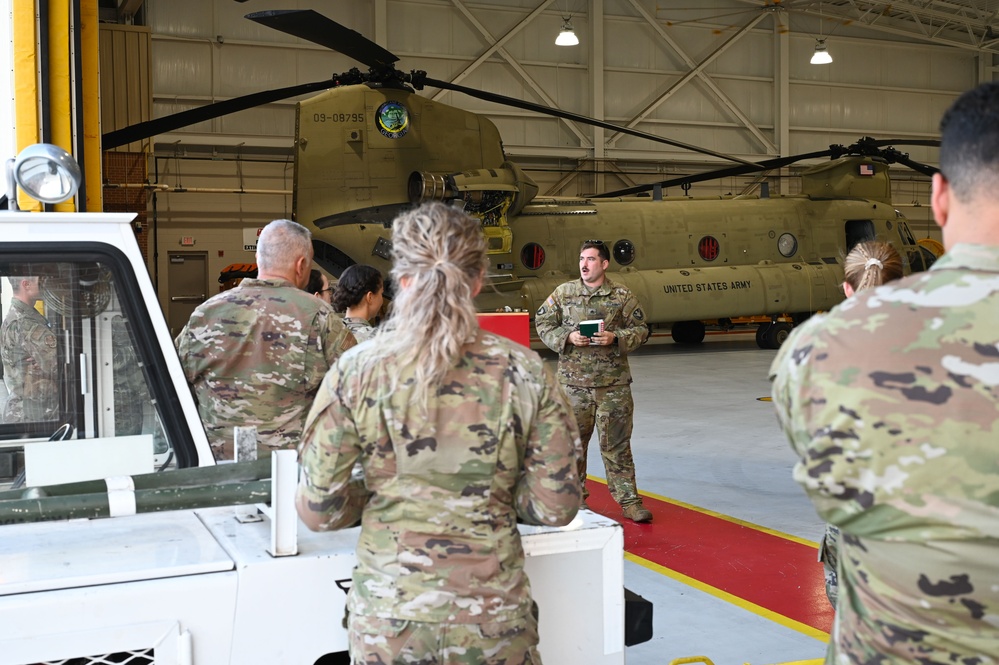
(255, 355)
(359, 295)
(131, 395)
(319, 286)
(594, 371)
(892, 402)
(870, 263)
(30, 357)
(460, 434)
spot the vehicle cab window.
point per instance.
(81, 396)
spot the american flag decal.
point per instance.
(867, 169)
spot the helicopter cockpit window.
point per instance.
(624, 252)
(905, 234)
(787, 244)
(708, 248)
(532, 256)
(76, 398)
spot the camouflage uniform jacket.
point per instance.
(360, 328)
(443, 488)
(255, 356)
(31, 365)
(891, 401)
(592, 366)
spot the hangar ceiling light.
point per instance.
(568, 36)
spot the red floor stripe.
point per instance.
(775, 573)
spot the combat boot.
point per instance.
(636, 512)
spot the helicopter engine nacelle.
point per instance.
(848, 177)
(481, 190)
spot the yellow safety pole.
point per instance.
(60, 84)
(25, 83)
(92, 159)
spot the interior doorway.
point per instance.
(187, 276)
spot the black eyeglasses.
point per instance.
(329, 290)
(593, 242)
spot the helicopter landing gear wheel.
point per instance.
(687, 332)
(777, 334)
(772, 335)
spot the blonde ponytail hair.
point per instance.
(871, 263)
(438, 256)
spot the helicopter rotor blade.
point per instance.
(902, 158)
(865, 146)
(766, 165)
(144, 130)
(419, 79)
(312, 26)
(918, 167)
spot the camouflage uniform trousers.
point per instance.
(612, 410)
(398, 642)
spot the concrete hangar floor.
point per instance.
(730, 561)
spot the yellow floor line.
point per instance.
(721, 516)
(735, 600)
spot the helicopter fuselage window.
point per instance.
(624, 252)
(787, 245)
(83, 402)
(708, 248)
(532, 255)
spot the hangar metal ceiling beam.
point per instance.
(782, 86)
(556, 189)
(697, 71)
(128, 8)
(596, 47)
(496, 47)
(381, 16)
(497, 44)
(966, 26)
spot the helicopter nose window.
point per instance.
(708, 248)
(787, 244)
(624, 252)
(532, 255)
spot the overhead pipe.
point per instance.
(168, 189)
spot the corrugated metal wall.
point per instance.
(126, 79)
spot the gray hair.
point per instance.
(15, 282)
(441, 252)
(281, 243)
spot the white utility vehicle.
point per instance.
(230, 584)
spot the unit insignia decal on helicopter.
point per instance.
(392, 119)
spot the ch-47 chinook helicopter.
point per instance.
(369, 147)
